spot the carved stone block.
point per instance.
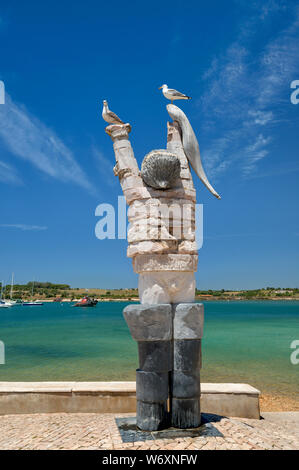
(166, 287)
(188, 321)
(171, 262)
(151, 386)
(155, 356)
(185, 384)
(187, 354)
(152, 416)
(185, 413)
(149, 322)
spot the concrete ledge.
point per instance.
(235, 400)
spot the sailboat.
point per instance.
(13, 302)
(3, 303)
(32, 302)
(10, 302)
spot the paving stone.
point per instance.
(100, 431)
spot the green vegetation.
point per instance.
(255, 294)
(119, 294)
(42, 290)
(48, 290)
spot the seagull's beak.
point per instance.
(160, 87)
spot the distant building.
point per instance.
(283, 291)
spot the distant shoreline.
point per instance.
(203, 299)
(48, 292)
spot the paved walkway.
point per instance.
(107, 431)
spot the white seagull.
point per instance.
(109, 116)
(172, 94)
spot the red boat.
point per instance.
(86, 302)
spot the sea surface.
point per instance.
(243, 342)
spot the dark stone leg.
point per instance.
(186, 354)
(151, 327)
(185, 376)
(186, 413)
(152, 416)
(155, 356)
(185, 384)
(151, 387)
(169, 347)
(152, 393)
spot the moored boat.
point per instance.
(4, 303)
(9, 302)
(86, 302)
(32, 303)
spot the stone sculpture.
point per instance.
(190, 145)
(167, 324)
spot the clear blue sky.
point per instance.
(59, 59)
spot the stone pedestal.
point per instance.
(169, 349)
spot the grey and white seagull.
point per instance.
(172, 94)
(110, 116)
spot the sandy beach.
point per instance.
(278, 403)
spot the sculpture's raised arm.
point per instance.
(126, 167)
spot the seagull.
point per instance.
(109, 116)
(172, 94)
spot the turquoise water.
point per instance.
(243, 342)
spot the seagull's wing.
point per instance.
(115, 117)
(173, 92)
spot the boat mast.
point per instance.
(11, 287)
